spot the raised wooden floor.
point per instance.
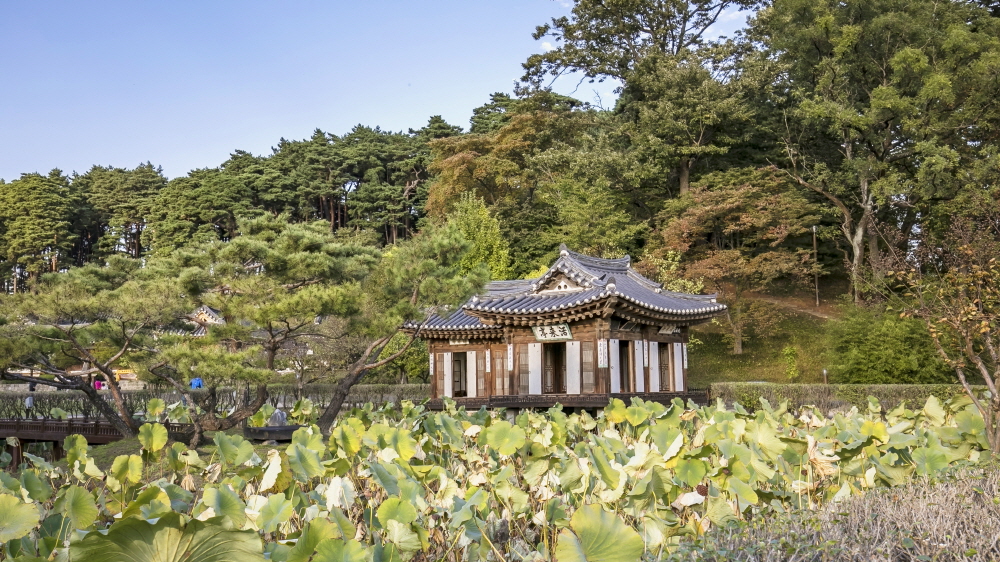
(588, 401)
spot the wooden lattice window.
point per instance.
(587, 367)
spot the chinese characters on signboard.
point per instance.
(602, 353)
(555, 332)
(510, 357)
(489, 361)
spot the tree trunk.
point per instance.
(116, 394)
(684, 176)
(127, 429)
(209, 421)
(735, 330)
(340, 393)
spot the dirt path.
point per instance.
(826, 312)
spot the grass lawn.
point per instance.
(762, 359)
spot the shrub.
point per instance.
(870, 347)
(829, 397)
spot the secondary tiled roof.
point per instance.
(588, 279)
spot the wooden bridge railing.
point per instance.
(95, 432)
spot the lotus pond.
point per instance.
(632, 483)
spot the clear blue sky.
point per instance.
(184, 83)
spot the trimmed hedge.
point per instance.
(829, 397)
(281, 395)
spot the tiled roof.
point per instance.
(594, 279)
(457, 320)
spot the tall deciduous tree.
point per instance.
(679, 114)
(608, 38)
(482, 230)
(889, 103)
(736, 232)
(953, 285)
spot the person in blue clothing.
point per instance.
(196, 383)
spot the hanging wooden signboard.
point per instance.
(555, 332)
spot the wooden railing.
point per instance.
(98, 431)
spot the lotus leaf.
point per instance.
(309, 438)
(503, 437)
(38, 489)
(16, 518)
(155, 407)
(691, 471)
(277, 510)
(929, 460)
(127, 467)
(233, 448)
(225, 503)
(616, 411)
(314, 533)
(76, 449)
(152, 436)
(169, 540)
(598, 535)
(304, 462)
(635, 415)
(338, 550)
(77, 505)
(395, 509)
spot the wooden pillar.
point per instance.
(16, 453)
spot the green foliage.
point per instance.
(869, 347)
(503, 437)
(407, 481)
(598, 535)
(152, 436)
(169, 539)
(17, 518)
(77, 505)
(482, 230)
(598, 40)
(261, 417)
(36, 217)
(791, 356)
(303, 412)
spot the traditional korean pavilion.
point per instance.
(588, 330)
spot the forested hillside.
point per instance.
(873, 123)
